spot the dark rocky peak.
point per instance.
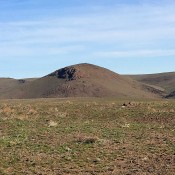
(68, 73)
(21, 81)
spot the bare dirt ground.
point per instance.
(87, 137)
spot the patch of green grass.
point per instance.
(87, 136)
(113, 134)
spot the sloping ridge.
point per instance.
(171, 95)
(164, 81)
(82, 80)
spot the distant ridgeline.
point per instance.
(87, 80)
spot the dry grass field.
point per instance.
(87, 136)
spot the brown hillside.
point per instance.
(82, 80)
(171, 95)
(165, 81)
(6, 84)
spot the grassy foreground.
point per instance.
(87, 136)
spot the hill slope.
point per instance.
(165, 81)
(171, 95)
(82, 80)
(7, 84)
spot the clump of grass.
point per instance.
(87, 139)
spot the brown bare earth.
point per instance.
(7, 84)
(82, 80)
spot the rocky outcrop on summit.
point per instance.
(68, 73)
(81, 80)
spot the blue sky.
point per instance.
(128, 37)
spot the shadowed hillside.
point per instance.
(7, 84)
(165, 81)
(171, 95)
(82, 80)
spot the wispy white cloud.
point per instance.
(134, 25)
(39, 32)
(129, 24)
(135, 53)
(18, 51)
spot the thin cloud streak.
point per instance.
(135, 54)
(16, 51)
(96, 28)
(95, 31)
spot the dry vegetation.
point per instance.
(87, 136)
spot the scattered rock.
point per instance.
(126, 125)
(145, 159)
(53, 124)
(124, 105)
(68, 149)
(97, 160)
(22, 81)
